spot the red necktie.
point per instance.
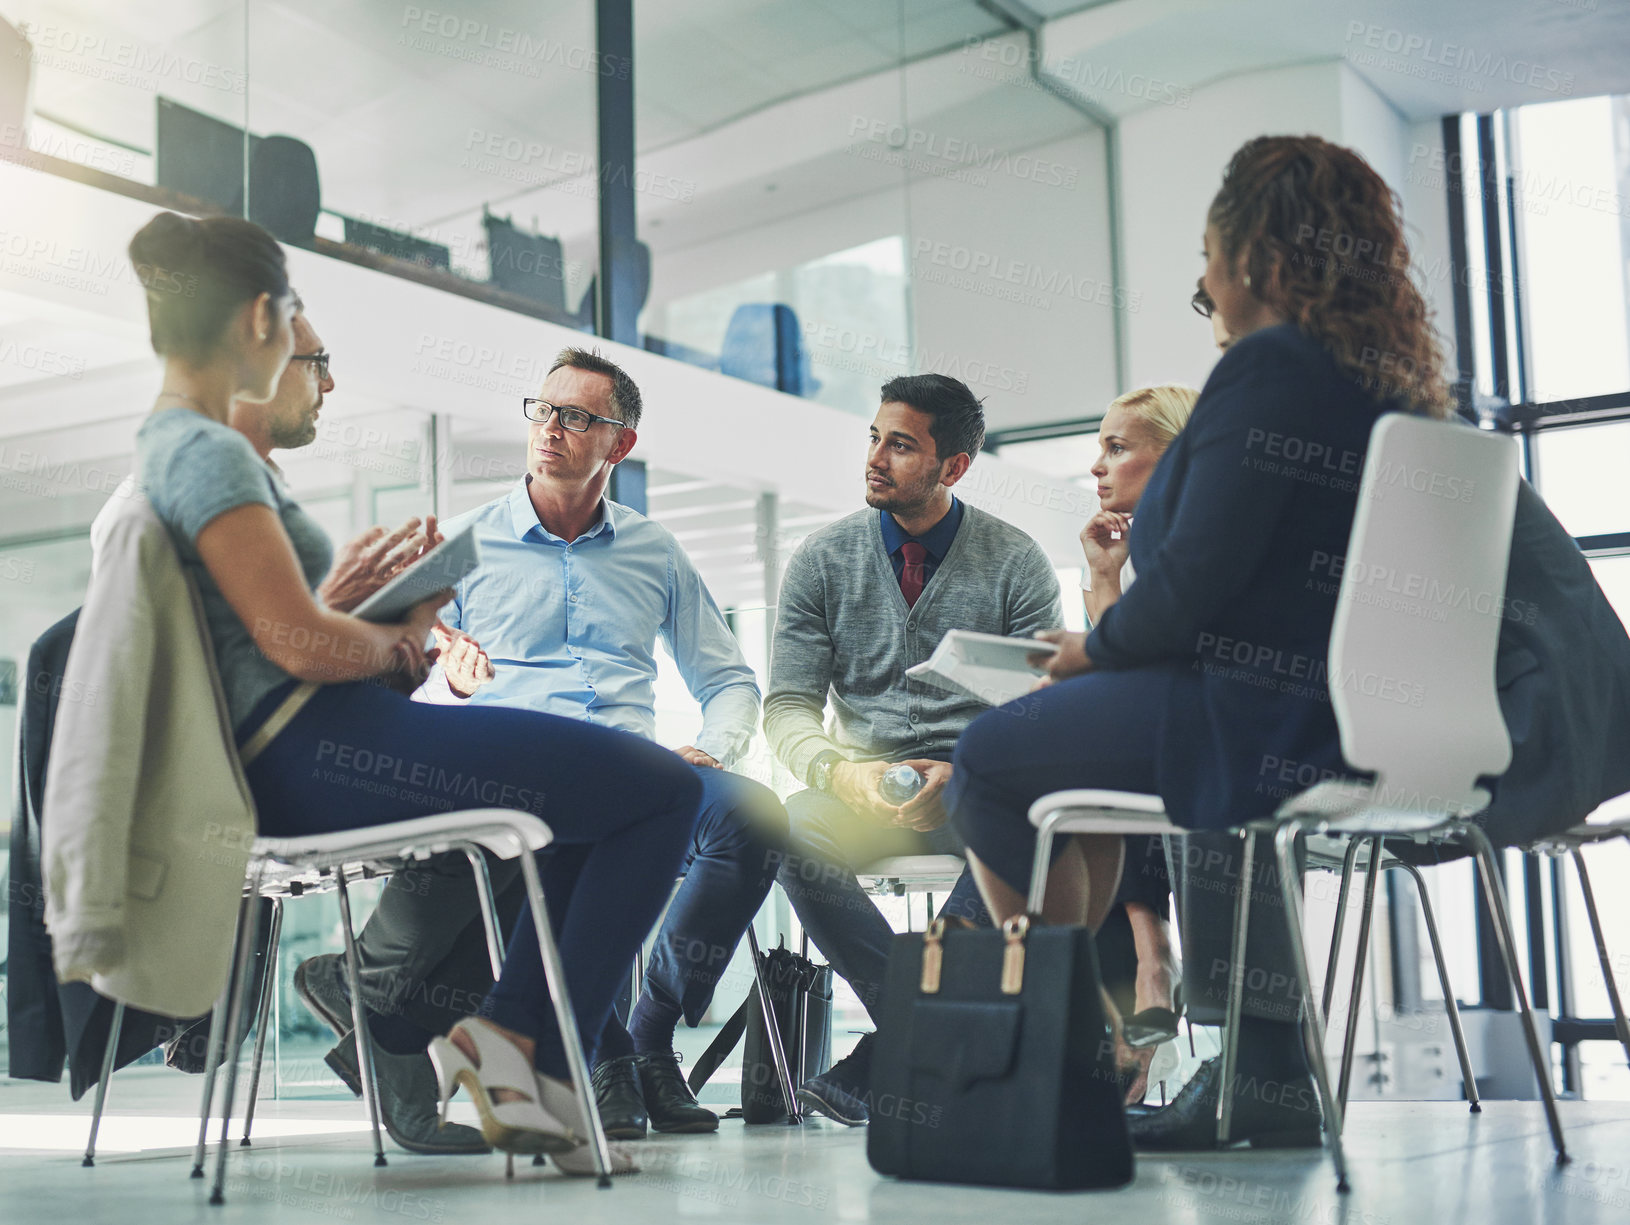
(913, 575)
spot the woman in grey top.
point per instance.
(620, 808)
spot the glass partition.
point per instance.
(1572, 180)
(459, 138)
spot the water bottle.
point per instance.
(900, 783)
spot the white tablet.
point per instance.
(444, 566)
(988, 667)
(995, 651)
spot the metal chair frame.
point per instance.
(280, 868)
(1110, 812)
(1387, 862)
(1572, 843)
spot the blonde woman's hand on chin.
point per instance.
(1069, 660)
(1104, 542)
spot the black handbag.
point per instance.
(993, 1063)
(800, 994)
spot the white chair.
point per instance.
(1426, 756)
(1611, 820)
(905, 875)
(1321, 851)
(287, 867)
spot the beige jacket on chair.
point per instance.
(147, 819)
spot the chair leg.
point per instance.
(1619, 1024)
(1043, 861)
(555, 977)
(1236, 995)
(778, 1056)
(1313, 1019)
(268, 985)
(359, 1017)
(217, 1046)
(1449, 1005)
(1360, 957)
(236, 1026)
(108, 1057)
(1341, 922)
(489, 906)
(1494, 889)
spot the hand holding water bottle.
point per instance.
(923, 811)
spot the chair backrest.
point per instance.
(763, 344)
(285, 193)
(1417, 623)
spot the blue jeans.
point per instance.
(729, 867)
(828, 843)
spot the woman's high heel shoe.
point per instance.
(559, 1099)
(1153, 1026)
(514, 1125)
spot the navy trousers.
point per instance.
(621, 808)
(1102, 730)
(423, 950)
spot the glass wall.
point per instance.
(1571, 184)
(1569, 226)
(900, 194)
(452, 148)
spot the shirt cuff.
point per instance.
(723, 747)
(436, 691)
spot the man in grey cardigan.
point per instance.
(863, 600)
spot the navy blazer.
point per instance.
(1237, 543)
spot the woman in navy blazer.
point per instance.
(1206, 682)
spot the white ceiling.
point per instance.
(401, 119)
(736, 96)
(1427, 57)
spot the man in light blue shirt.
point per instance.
(562, 617)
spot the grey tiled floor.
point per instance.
(1422, 1162)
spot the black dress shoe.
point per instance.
(842, 1091)
(1268, 1113)
(617, 1093)
(409, 1104)
(668, 1097)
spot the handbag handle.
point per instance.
(1014, 933)
(933, 957)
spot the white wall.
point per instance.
(1012, 278)
(1172, 162)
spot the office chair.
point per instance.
(1426, 758)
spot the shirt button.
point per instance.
(574, 599)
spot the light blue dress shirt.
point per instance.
(571, 627)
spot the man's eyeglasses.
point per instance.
(318, 360)
(577, 420)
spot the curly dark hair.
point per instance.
(1323, 238)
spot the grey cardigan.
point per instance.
(844, 629)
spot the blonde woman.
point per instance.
(1134, 434)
